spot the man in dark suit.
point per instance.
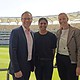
(21, 49)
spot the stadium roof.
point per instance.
(74, 16)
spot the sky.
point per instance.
(14, 8)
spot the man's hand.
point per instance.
(18, 74)
(78, 71)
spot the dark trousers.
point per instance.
(21, 78)
(66, 70)
(44, 70)
(24, 77)
(25, 71)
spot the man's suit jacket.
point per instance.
(18, 50)
(73, 44)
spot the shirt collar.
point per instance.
(24, 28)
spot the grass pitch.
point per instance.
(4, 62)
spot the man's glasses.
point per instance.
(28, 19)
(43, 23)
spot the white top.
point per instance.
(63, 42)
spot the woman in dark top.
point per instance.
(45, 44)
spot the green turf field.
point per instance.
(4, 62)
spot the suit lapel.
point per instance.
(32, 34)
(23, 34)
(59, 34)
(70, 34)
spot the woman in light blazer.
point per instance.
(68, 49)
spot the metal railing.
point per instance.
(6, 69)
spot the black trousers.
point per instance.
(25, 71)
(21, 78)
(66, 70)
(44, 70)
